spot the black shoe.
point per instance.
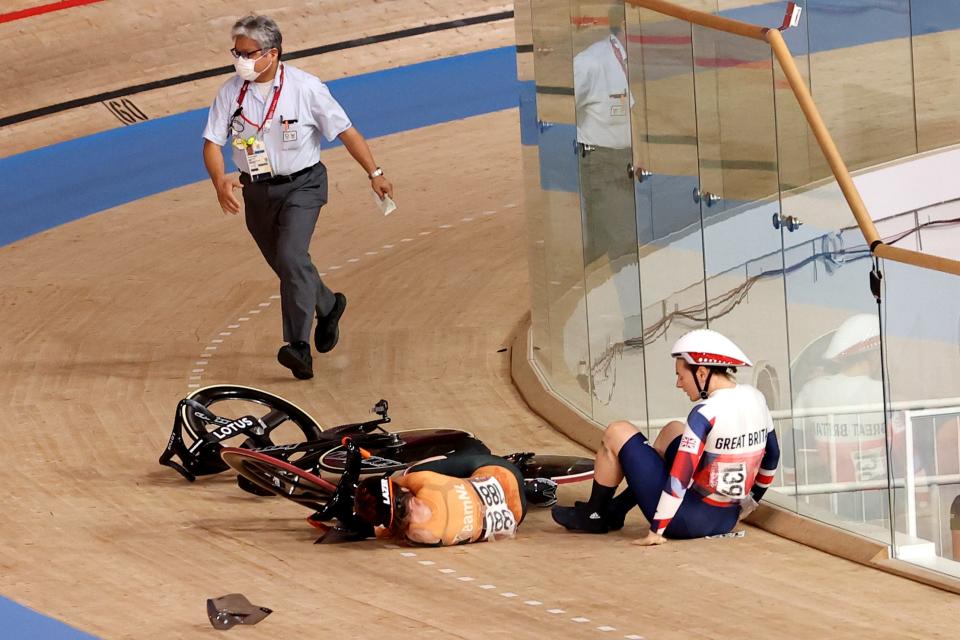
(327, 333)
(579, 519)
(540, 491)
(297, 358)
(614, 521)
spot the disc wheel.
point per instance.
(284, 422)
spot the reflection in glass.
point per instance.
(936, 55)
(921, 326)
(603, 146)
(556, 195)
(839, 460)
(862, 77)
(668, 219)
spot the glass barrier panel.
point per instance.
(557, 199)
(839, 460)
(739, 204)
(668, 218)
(935, 39)
(861, 73)
(608, 211)
(533, 201)
(921, 329)
(801, 161)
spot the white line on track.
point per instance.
(211, 347)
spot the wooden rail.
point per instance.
(718, 23)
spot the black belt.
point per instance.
(584, 149)
(279, 179)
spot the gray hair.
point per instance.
(261, 29)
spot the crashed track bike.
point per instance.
(198, 436)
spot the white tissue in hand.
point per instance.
(387, 205)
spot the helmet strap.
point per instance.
(706, 383)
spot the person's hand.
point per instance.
(650, 540)
(382, 187)
(228, 201)
(747, 506)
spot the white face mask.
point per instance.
(245, 68)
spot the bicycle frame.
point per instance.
(202, 457)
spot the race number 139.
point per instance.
(732, 479)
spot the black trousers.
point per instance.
(608, 205)
(281, 218)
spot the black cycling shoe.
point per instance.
(614, 521)
(327, 333)
(579, 519)
(297, 358)
(540, 491)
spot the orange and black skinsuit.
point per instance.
(452, 488)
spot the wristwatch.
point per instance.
(377, 173)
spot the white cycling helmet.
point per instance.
(704, 347)
(857, 334)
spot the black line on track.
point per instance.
(209, 73)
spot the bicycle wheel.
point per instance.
(284, 422)
(562, 469)
(404, 449)
(279, 477)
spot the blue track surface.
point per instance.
(20, 623)
(56, 184)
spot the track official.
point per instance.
(272, 115)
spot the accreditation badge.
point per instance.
(258, 164)
(618, 104)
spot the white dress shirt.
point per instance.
(600, 90)
(304, 98)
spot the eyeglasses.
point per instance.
(246, 55)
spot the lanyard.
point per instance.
(270, 111)
(616, 51)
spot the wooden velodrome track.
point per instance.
(103, 320)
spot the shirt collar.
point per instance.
(615, 41)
